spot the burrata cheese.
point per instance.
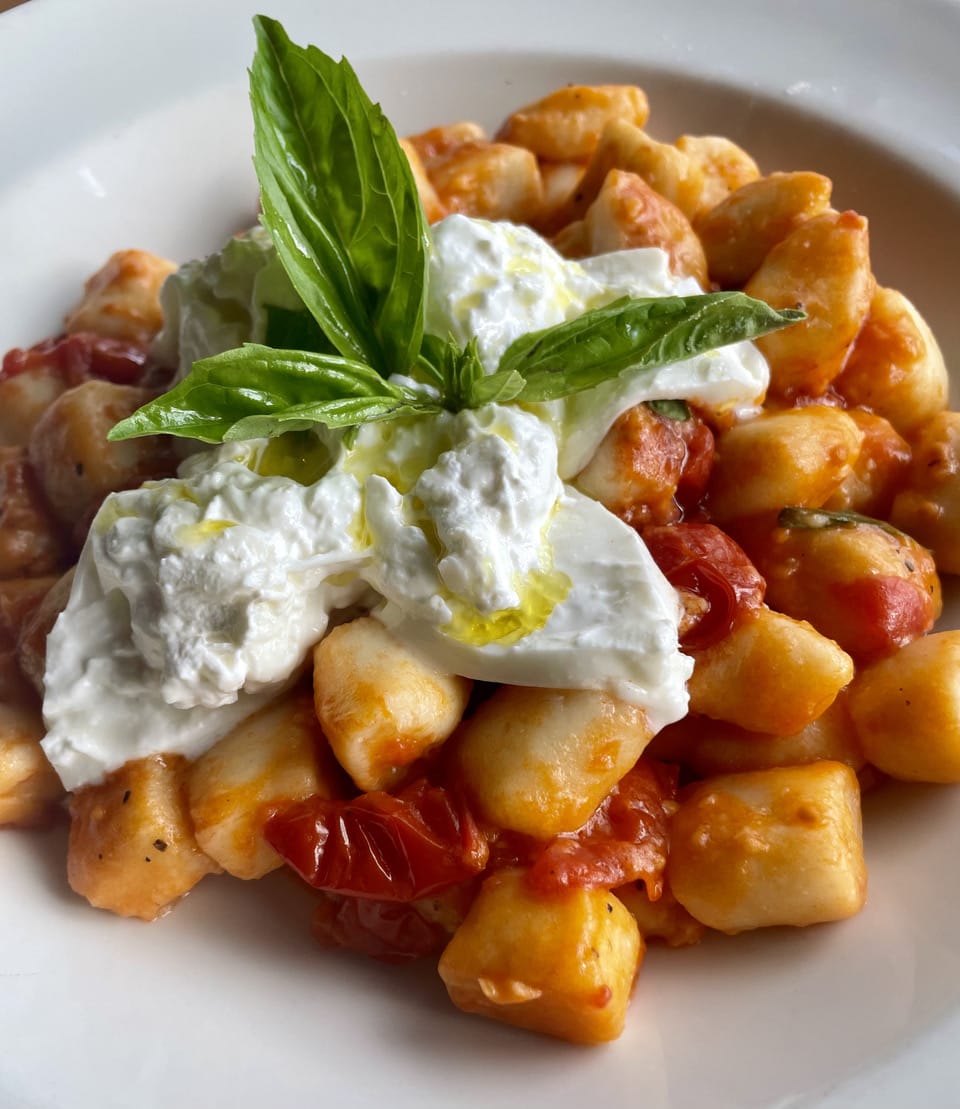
(199, 597)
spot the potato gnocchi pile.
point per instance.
(536, 840)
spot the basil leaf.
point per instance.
(342, 413)
(256, 391)
(459, 374)
(295, 329)
(498, 388)
(462, 370)
(339, 200)
(795, 516)
(670, 409)
(435, 354)
(632, 334)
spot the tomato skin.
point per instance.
(79, 357)
(695, 476)
(650, 468)
(381, 846)
(626, 839)
(702, 559)
(883, 613)
(391, 931)
(870, 588)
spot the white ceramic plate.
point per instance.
(125, 124)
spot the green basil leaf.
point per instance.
(460, 376)
(634, 334)
(343, 413)
(670, 409)
(795, 516)
(498, 388)
(434, 353)
(295, 329)
(339, 200)
(464, 371)
(256, 391)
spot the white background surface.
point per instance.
(125, 124)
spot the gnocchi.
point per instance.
(535, 839)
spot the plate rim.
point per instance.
(22, 27)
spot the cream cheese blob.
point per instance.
(199, 597)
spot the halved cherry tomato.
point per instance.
(702, 559)
(386, 847)
(626, 839)
(78, 358)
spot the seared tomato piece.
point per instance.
(31, 544)
(389, 930)
(867, 586)
(702, 560)
(650, 468)
(626, 839)
(890, 611)
(391, 848)
(80, 357)
(697, 464)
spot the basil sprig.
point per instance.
(295, 329)
(671, 409)
(342, 207)
(459, 375)
(817, 519)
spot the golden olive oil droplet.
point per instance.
(399, 451)
(540, 593)
(299, 455)
(191, 535)
(109, 514)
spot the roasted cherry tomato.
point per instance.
(697, 464)
(888, 613)
(703, 560)
(864, 584)
(80, 357)
(389, 930)
(626, 839)
(391, 848)
(650, 468)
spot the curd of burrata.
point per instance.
(198, 598)
(497, 281)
